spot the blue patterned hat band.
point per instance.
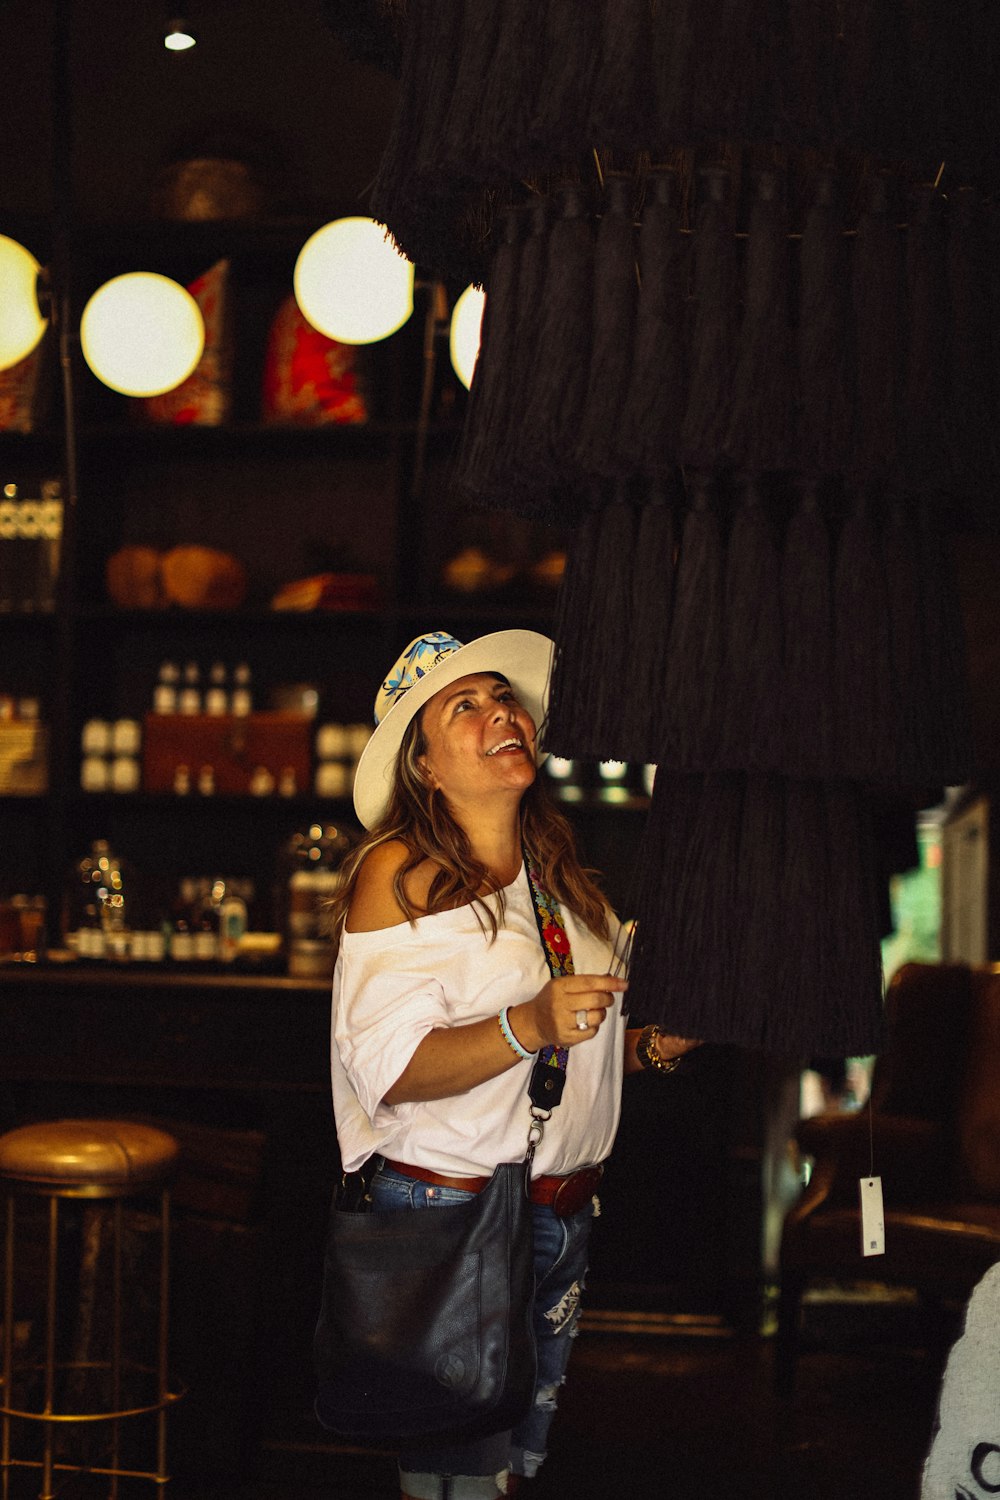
(419, 657)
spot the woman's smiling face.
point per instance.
(479, 739)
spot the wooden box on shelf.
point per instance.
(238, 748)
(24, 760)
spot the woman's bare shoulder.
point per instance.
(374, 904)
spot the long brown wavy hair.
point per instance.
(418, 816)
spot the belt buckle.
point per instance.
(575, 1190)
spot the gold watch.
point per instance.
(648, 1053)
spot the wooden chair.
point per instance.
(935, 1114)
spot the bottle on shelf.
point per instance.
(180, 942)
(97, 908)
(205, 923)
(189, 699)
(216, 696)
(241, 699)
(166, 690)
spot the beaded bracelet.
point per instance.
(511, 1039)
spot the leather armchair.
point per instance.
(935, 1143)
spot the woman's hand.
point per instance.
(667, 1045)
(565, 1011)
(673, 1046)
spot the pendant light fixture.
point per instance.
(142, 333)
(466, 327)
(178, 36)
(352, 283)
(21, 322)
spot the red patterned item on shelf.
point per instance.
(19, 391)
(309, 379)
(204, 399)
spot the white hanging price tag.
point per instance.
(872, 1217)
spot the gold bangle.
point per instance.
(649, 1055)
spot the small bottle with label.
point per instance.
(165, 692)
(189, 701)
(241, 700)
(216, 696)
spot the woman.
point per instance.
(442, 993)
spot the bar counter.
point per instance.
(236, 1066)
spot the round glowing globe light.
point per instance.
(21, 323)
(352, 283)
(466, 327)
(142, 334)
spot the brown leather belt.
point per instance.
(564, 1195)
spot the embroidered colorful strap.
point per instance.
(548, 1076)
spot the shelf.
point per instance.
(347, 440)
(200, 619)
(27, 619)
(302, 802)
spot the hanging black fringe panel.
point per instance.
(536, 87)
(734, 940)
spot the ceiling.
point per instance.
(269, 77)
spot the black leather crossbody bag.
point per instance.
(425, 1326)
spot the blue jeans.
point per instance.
(560, 1249)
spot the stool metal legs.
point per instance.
(8, 1341)
(50, 1418)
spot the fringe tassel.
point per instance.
(900, 561)
(758, 438)
(683, 967)
(752, 624)
(758, 1016)
(694, 657)
(652, 604)
(490, 393)
(945, 724)
(609, 638)
(825, 408)
(571, 661)
(558, 332)
(621, 113)
(502, 144)
(654, 404)
(613, 318)
(877, 309)
(506, 480)
(853, 1015)
(971, 431)
(706, 417)
(572, 54)
(862, 689)
(807, 628)
(482, 29)
(926, 459)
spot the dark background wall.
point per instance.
(272, 74)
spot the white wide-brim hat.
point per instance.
(429, 664)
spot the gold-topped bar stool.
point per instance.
(107, 1162)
